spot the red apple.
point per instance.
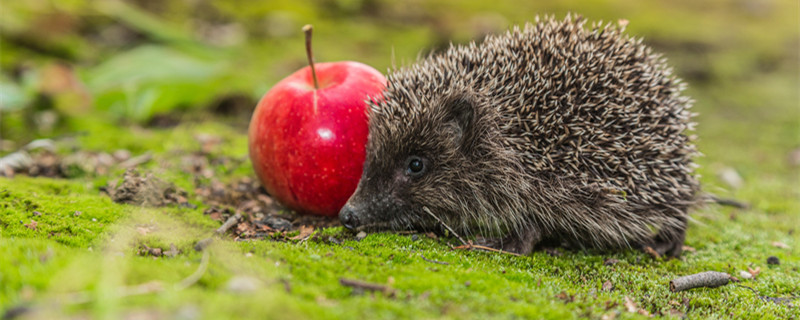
(308, 134)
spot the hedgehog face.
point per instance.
(417, 159)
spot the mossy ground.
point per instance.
(742, 69)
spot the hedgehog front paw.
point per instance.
(522, 243)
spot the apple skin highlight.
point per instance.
(307, 145)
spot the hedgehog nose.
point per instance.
(348, 217)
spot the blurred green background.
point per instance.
(137, 61)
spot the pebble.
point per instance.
(730, 177)
(361, 235)
(773, 260)
(243, 284)
(277, 223)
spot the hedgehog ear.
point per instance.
(460, 111)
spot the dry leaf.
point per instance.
(305, 231)
(32, 225)
(142, 230)
(652, 252)
(689, 249)
(608, 286)
(609, 316)
(630, 305)
(754, 272)
(779, 244)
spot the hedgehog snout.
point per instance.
(348, 217)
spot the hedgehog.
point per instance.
(555, 133)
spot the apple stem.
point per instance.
(307, 30)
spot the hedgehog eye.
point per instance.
(416, 166)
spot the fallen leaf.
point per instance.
(630, 305)
(305, 231)
(608, 286)
(565, 297)
(32, 225)
(609, 316)
(689, 249)
(676, 313)
(781, 245)
(652, 252)
(142, 230)
(754, 272)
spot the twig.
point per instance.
(710, 279)
(729, 202)
(136, 161)
(357, 284)
(192, 279)
(202, 244)
(433, 261)
(768, 298)
(144, 288)
(475, 246)
(446, 226)
(233, 220)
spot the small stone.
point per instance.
(202, 244)
(121, 155)
(243, 284)
(773, 260)
(37, 213)
(414, 237)
(468, 283)
(77, 213)
(361, 235)
(277, 223)
(334, 240)
(730, 177)
(173, 251)
(794, 158)
(745, 274)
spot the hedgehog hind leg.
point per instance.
(668, 242)
(523, 242)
